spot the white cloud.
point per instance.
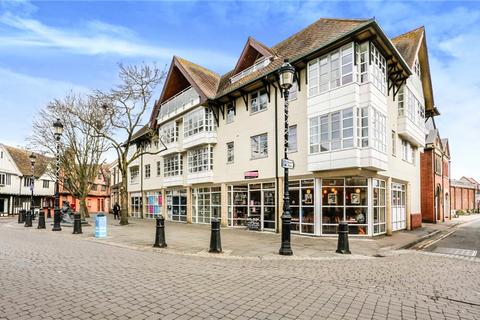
(96, 39)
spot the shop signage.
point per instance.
(288, 164)
(251, 174)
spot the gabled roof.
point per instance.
(411, 45)
(408, 44)
(22, 161)
(431, 136)
(301, 43)
(183, 73)
(469, 179)
(446, 147)
(251, 52)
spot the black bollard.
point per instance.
(41, 220)
(28, 219)
(77, 223)
(49, 215)
(342, 246)
(56, 220)
(160, 233)
(21, 216)
(215, 241)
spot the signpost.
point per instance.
(288, 164)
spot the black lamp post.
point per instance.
(30, 213)
(56, 215)
(286, 73)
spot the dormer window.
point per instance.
(259, 64)
(255, 56)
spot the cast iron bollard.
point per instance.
(41, 220)
(343, 238)
(215, 241)
(49, 215)
(160, 233)
(28, 219)
(77, 223)
(57, 219)
(21, 216)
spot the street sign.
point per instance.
(288, 164)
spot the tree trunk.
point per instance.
(123, 201)
(83, 208)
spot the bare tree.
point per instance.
(81, 148)
(120, 115)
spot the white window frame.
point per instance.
(46, 184)
(134, 174)
(159, 168)
(147, 171)
(259, 146)
(169, 132)
(331, 71)
(293, 92)
(200, 159)
(230, 152)
(173, 165)
(378, 65)
(258, 101)
(292, 138)
(198, 121)
(379, 136)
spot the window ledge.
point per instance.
(259, 157)
(259, 111)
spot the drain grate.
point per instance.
(456, 251)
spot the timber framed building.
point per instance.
(357, 128)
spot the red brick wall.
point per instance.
(426, 186)
(462, 198)
(416, 220)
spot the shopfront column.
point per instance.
(280, 204)
(10, 205)
(409, 206)
(189, 205)
(224, 204)
(388, 203)
(164, 204)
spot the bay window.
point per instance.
(169, 132)
(379, 69)
(333, 131)
(134, 172)
(410, 106)
(173, 165)
(197, 121)
(379, 131)
(331, 71)
(200, 159)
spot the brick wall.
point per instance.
(416, 220)
(426, 186)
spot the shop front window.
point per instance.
(302, 205)
(345, 199)
(135, 205)
(379, 206)
(153, 205)
(177, 205)
(206, 204)
(257, 200)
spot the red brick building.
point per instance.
(463, 195)
(435, 177)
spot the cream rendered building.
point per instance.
(357, 114)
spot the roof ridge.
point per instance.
(408, 32)
(180, 59)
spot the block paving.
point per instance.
(47, 275)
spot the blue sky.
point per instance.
(50, 48)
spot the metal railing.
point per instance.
(178, 102)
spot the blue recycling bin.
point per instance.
(100, 226)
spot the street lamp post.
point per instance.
(286, 74)
(30, 213)
(58, 126)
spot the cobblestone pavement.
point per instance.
(47, 275)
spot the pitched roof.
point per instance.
(301, 43)
(204, 78)
(431, 136)
(408, 44)
(250, 53)
(22, 161)
(462, 183)
(469, 179)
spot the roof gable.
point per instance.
(21, 159)
(412, 46)
(252, 51)
(183, 74)
(446, 147)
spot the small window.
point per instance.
(104, 187)
(46, 184)
(1, 154)
(147, 171)
(292, 138)
(159, 168)
(27, 182)
(293, 92)
(394, 144)
(230, 152)
(259, 101)
(230, 113)
(259, 146)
